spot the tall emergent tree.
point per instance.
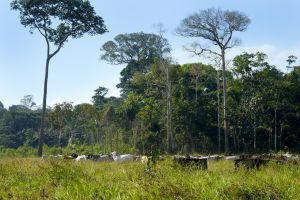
(57, 21)
(137, 50)
(216, 26)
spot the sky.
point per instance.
(76, 71)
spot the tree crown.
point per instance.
(215, 25)
(56, 20)
(134, 47)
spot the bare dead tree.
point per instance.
(216, 26)
(165, 64)
(196, 71)
(218, 64)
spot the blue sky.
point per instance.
(77, 70)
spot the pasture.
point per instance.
(35, 178)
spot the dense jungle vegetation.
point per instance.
(263, 111)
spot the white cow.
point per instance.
(121, 158)
(142, 159)
(79, 158)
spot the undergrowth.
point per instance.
(35, 178)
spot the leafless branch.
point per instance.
(198, 50)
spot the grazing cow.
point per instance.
(99, 158)
(142, 159)
(104, 158)
(287, 155)
(215, 157)
(79, 158)
(92, 157)
(250, 162)
(121, 158)
(191, 161)
(72, 156)
(232, 157)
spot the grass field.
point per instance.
(34, 178)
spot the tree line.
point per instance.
(263, 112)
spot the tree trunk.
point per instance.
(117, 141)
(238, 144)
(254, 139)
(170, 139)
(111, 140)
(224, 100)
(275, 130)
(170, 121)
(59, 138)
(43, 120)
(142, 137)
(196, 89)
(234, 140)
(219, 125)
(280, 137)
(270, 138)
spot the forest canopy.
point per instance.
(263, 112)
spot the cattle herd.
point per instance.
(247, 161)
(113, 157)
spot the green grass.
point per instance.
(34, 178)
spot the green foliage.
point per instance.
(291, 59)
(132, 69)
(99, 98)
(138, 50)
(263, 112)
(15, 122)
(57, 20)
(134, 47)
(31, 137)
(258, 103)
(27, 101)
